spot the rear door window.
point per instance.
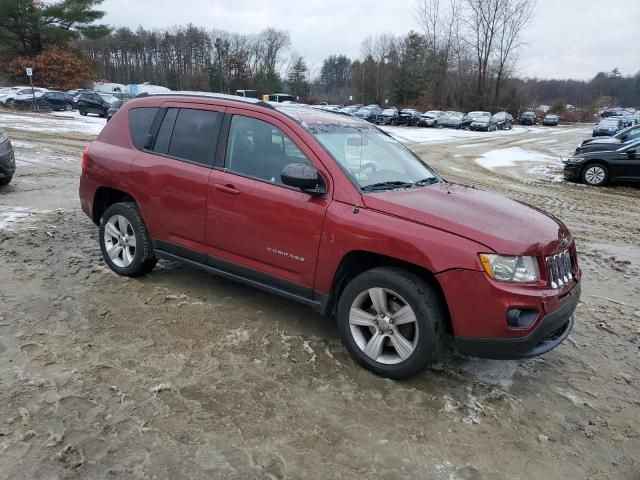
(195, 135)
(140, 120)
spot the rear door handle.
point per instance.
(230, 189)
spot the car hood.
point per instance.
(499, 223)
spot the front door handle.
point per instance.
(230, 189)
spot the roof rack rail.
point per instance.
(221, 96)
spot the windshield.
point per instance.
(375, 160)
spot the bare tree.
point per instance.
(518, 15)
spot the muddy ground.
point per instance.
(183, 375)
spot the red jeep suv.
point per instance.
(328, 210)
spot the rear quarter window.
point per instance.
(140, 120)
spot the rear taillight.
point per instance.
(85, 159)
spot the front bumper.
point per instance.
(572, 171)
(7, 160)
(481, 311)
(550, 332)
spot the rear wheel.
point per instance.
(595, 174)
(391, 321)
(5, 181)
(82, 112)
(11, 103)
(125, 242)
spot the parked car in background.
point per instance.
(8, 98)
(349, 110)
(596, 168)
(607, 127)
(280, 97)
(504, 120)
(470, 117)
(115, 106)
(409, 117)
(369, 113)
(97, 103)
(430, 118)
(76, 95)
(50, 100)
(365, 230)
(485, 122)
(528, 118)
(622, 136)
(7, 159)
(451, 120)
(606, 144)
(550, 120)
(388, 116)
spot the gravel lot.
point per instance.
(183, 375)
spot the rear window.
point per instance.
(140, 120)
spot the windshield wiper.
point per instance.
(426, 181)
(386, 186)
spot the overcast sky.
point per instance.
(568, 39)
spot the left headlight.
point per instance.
(510, 269)
(3, 137)
(574, 159)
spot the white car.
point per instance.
(7, 97)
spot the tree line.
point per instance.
(463, 56)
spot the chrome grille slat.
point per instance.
(559, 269)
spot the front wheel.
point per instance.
(125, 242)
(595, 175)
(68, 107)
(82, 112)
(5, 181)
(392, 322)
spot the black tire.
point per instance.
(5, 181)
(11, 103)
(425, 303)
(82, 112)
(68, 107)
(143, 259)
(588, 178)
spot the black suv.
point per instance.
(409, 117)
(98, 103)
(528, 118)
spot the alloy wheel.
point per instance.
(595, 175)
(384, 326)
(120, 241)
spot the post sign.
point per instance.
(29, 72)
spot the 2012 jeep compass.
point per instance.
(328, 210)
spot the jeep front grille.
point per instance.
(559, 269)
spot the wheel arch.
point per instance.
(104, 198)
(358, 261)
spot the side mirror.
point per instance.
(304, 177)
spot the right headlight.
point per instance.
(514, 269)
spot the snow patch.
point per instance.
(52, 123)
(510, 157)
(442, 135)
(7, 217)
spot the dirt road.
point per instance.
(184, 375)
